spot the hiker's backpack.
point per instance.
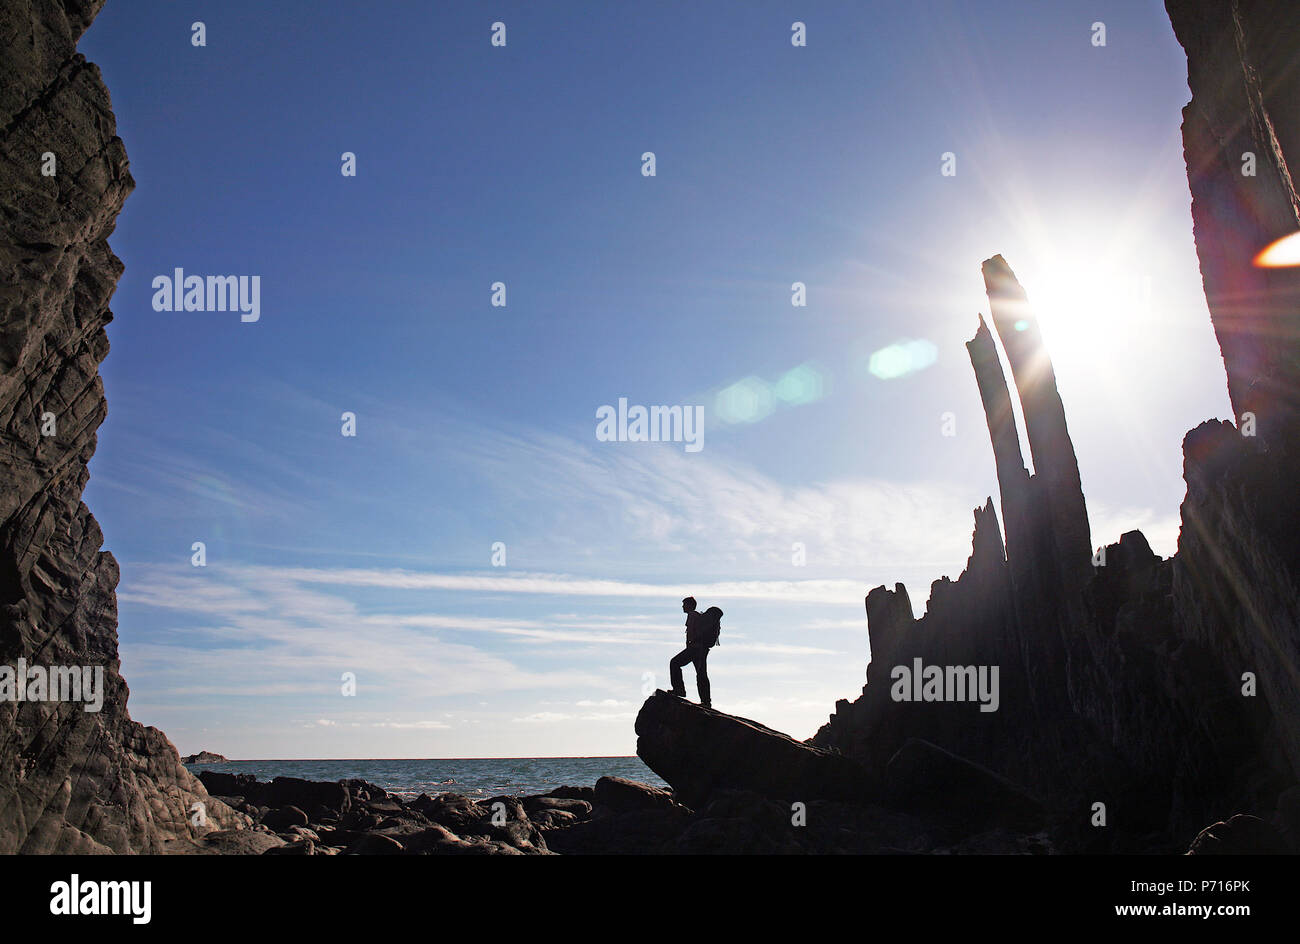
(714, 629)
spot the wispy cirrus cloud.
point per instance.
(807, 591)
(714, 510)
(254, 633)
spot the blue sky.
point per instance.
(476, 424)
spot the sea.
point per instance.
(472, 777)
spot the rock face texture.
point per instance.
(1241, 70)
(1166, 690)
(70, 780)
(1238, 536)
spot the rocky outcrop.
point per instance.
(968, 622)
(1123, 688)
(71, 780)
(1142, 697)
(203, 757)
(699, 751)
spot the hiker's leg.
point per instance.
(675, 670)
(702, 676)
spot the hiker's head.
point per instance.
(688, 605)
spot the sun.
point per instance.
(1090, 299)
(1084, 307)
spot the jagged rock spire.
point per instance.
(1013, 477)
(1055, 464)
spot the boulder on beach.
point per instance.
(699, 750)
(623, 796)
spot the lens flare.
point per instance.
(902, 358)
(800, 385)
(1284, 252)
(745, 401)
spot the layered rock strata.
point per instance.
(71, 780)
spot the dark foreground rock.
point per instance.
(615, 817)
(755, 790)
(924, 778)
(353, 817)
(923, 800)
(699, 750)
(1240, 835)
(625, 796)
(624, 817)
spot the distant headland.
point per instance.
(203, 757)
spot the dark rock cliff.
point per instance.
(71, 780)
(1241, 67)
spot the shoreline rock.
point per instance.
(616, 816)
(203, 757)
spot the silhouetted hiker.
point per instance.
(702, 631)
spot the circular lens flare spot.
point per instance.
(800, 385)
(745, 401)
(902, 358)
